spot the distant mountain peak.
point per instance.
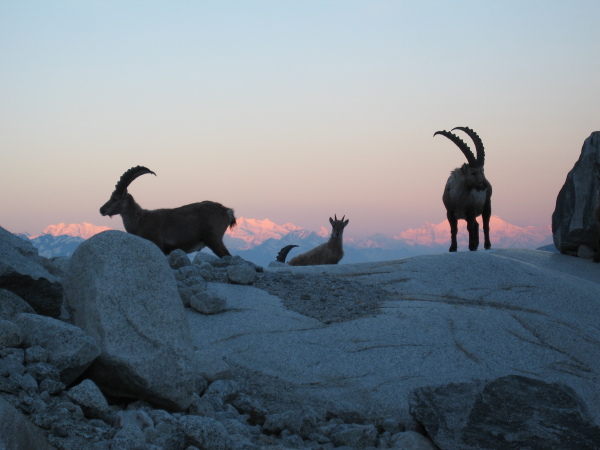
(256, 231)
(262, 239)
(500, 232)
(83, 230)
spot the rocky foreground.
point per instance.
(122, 347)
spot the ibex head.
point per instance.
(473, 170)
(338, 226)
(120, 198)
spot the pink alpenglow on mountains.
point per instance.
(501, 234)
(83, 230)
(256, 231)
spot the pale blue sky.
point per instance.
(291, 110)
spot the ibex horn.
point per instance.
(461, 144)
(477, 141)
(129, 176)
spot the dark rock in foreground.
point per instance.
(22, 271)
(511, 412)
(16, 432)
(573, 221)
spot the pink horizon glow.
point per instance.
(291, 111)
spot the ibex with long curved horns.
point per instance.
(468, 193)
(189, 228)
(331, 252)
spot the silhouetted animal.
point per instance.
(189, 228)
(330, 252)
(468, 193)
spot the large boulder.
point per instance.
(573, 221)
(509, 412)
(17, 433)
(11, 305)
(25, 273)
(69, 348)
(122, 292)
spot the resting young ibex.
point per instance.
(468, 193)
(189, 228)
(330, 252)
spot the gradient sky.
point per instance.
(291, 110)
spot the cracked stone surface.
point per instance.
(401, 325)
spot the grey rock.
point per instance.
(509, 412)
(486, 314)
(302, 421)
(134, 311)
(11, 305)
(69, 348)
(248, 405)
(36, 354)
(166, 433)
(277, 264)
(186, 292)
(203, 257)
(293, 441)
(91, 400)
(205, 432)
(204, 406)
(17, 433)
(22, 271)
(241, 274)
(235, 427)
(52, 387)
(12, 361)
(131, 439)
(189, 275)
(221, 262)
(211, 367)
(10, 384)
(178, 258)
(206, 302)
(43, 371)
(137, 418)
(354, 435)
(573, 222)
(411, 440)
(10, 334)
(225, 390)
(27, 383)
(61, 263)
(392, 426)
(201, 383)
(585, 252)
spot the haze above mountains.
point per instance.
(259, 241)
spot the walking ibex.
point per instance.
(189, 228)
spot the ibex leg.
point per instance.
(486, 226)
(218, 248)
(473, 228)
(453, 230)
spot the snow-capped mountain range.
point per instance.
(502, 234)
(259, 241)
(83, 230)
